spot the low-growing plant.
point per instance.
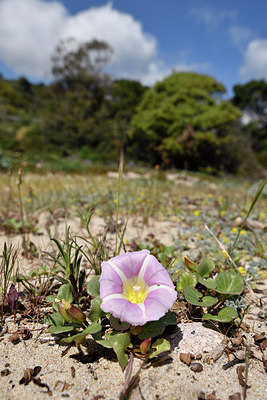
(9, 257)
(129, 333)
(207, 288)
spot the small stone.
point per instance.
(196, 367)
(186, 358)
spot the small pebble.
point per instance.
(196, 367)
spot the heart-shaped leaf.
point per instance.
(209, 283)
(120, 345)
(186, 279)
(55, 330)
(54, 319)
(65, 292)
(93, 287)
(229, 282)
(192, 296)
(160, 346)
(96, 312)
(118, 325)
(156, 328)
(205, 267)
(79, 337)
(227, 314)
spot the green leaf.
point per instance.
(54, 319)
(192, 296)
(120, 345)
(205, 267)
(186, 279)
(96, 312)
(118, 325)
(65, 292)
(191, 265)
(55, 330)
(161, 346)
(229, 282)
(156, 328)
(93, 287)
(209, 283)
(51, 299)
(79, 337)
(227, 314)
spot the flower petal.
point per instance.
(110, 281)
(130, 263)
(158, 302)
(124, 310)
(156, 274)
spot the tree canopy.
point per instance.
(183, 121)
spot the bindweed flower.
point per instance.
(69, 312)
(136, 288)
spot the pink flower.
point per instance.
(136, 288)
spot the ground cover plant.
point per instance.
(216, 252)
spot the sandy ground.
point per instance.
(97, 375)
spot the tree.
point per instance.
(182, 121)
(125, 96)
(75, 63)
(251, 98)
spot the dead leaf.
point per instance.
(28, 374)
(186, 358)
(263, 345)
(259, 337)
(5, 372)
(240, 369)
(73, 372)
(14, 338)
(37, 381)
(211, 396)
(237, 340)
(25, 333)
(235, 396)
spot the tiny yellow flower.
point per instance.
(220, 200)
(242, 271)
(262, 216)
(197, 212)
(115, 201)
(234, 230)
(243, 232)
(223, 213)
(226, 239)
(174, 218)
(210, 195)
(224, 253)
(98, 212)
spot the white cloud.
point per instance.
(255, 60)
(31, 29)
(240, 36)
(211, 17)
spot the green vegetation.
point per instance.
(83, 118)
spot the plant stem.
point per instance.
(118, 198)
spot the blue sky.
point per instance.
(225, 39)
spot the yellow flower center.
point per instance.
(135, 290)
